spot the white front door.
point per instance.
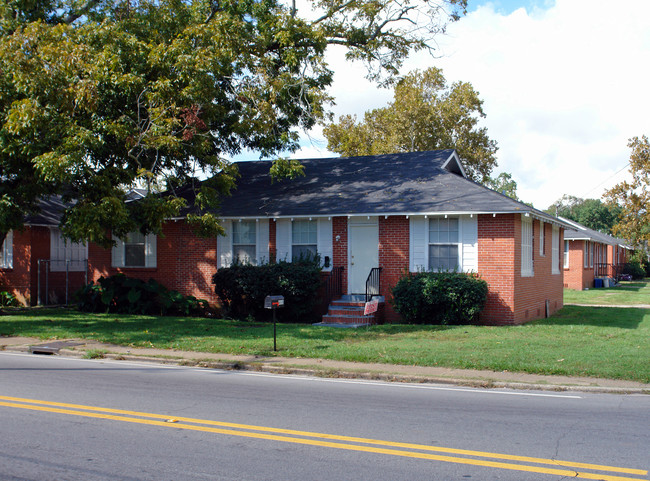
(363, 252)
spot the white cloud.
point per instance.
(564, 88)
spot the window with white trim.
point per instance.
(566, 254)
(591, 254)
(526, 247)
(555, 250)
(135, 250)
(66, 255)
(244, 241)
(6, 252)
(586, 254)
(444, 244)
(304, 239)
(541, 238)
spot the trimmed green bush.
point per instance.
(634, 269)
(439, 297)
(242, 289)
(126, 295)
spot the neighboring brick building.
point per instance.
(590, 255)
(398, 212)
(37, 265)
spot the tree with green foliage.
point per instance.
(591, 213)
(97, 96)
(426, 114)
(633, 198)
(504, 184)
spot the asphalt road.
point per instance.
(71, 419)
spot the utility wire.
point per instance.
(606, 180)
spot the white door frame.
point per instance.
(368, 249)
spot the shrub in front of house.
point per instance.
(126, 295)
(242, 289)
(439, 297)
(634, 269)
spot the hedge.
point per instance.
(242, 289)
(439, 297)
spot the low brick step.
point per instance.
(337, 310)
(341, 302)
(339, 319)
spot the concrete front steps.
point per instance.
(348, 312)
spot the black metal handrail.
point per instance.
(601, 269)
(373, 283)
(333, 285)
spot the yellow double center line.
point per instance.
(419, 451)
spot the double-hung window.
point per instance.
(541, 238)
(443, 244)
(244, 241)
(6, 252)
(586, 255)
(135, 250)
(304, 239)
(526, 247)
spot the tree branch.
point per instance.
(83, 10)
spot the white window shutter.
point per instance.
(150, 250)
(117, 254)
(555, 250)
(418, 243)
(7, 252)
(469, 240)
(224, 246)
(57, 255)
(262, 247)
(10, 249)
(325, 247)
(283, 239)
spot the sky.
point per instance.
(564, 85)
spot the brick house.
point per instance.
(384, 215)
(591, 255)
(37, 264)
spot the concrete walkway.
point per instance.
(323, 367)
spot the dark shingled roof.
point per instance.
(406, 183)
(581, 232)
(50, 212)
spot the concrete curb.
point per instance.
(295, 368)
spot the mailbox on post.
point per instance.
(273, 302)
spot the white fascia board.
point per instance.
(549, 219)
(572, 223)
(578, 238)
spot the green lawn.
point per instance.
(585, 341)
(628, 293)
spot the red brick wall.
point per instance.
(29, 246)
(17, 280)
(393, 257)
(340, 247)
(577, 276)
(532, 294)
(185, 262)
(497, 260)
(273, 247)
(513, 299)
